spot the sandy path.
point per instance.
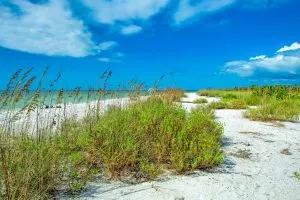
(265, 174)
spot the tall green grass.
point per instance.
(148, 136)
(276, 102)
(272, 110)
(242, 98)
(171, 94)
(141, 139)
(200, 100)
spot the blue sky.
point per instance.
(194, 43)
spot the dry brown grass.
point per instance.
(171, 94)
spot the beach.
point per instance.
(50, 118)
(260, 159)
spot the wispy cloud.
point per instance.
(112, 11)
(292, 47)
(107, 45)
(280, 64)
(48, 29)
(187, 9)
(131, 29)
(105, 59)
(119, 55)
(258, 57)
(112, 58)
(109, 60)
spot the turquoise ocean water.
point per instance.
(51, 97)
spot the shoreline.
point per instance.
(54, 115)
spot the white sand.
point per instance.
(267, 174)
(46, 117)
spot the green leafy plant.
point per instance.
(296, 175)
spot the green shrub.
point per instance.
(29, 169)
(197, 145)
(138, 135)
(201, 100)
(137, 140)
(210, 93)
(252, 100)
(229, 96)
(149, 135)
(172, 94)
(218, 105)
(237, 104)
(229, 104)
(283, 110)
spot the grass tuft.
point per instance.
(197, 145)
(200, 100)
(272, 110)
(296, 175)
(139, 140)
(172, 94)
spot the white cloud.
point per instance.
(131, 29)
(109, 60)
(187, 9)
(112, 11)
(293, 47)
(279, 63)
(104, 59)
(48, 29)
(107, 45)
(258, 57)
(119, 54)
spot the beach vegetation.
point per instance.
(296, 175)
(274, 102)
(171, 94)
(200, 100)
(275, 110)
(46, 147)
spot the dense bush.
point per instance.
(218, 105)
(201, 100)
(197, 145)
(269, 110)
(277, 91)
(254, 95)
(147, 135)
(32, 171)
(237, 104)
(172, 94)
(232, 104)
(52, 149)
(138, 138)
(139, 141)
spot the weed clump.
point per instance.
(272, 110)
(151, 135)
(237, 104)
(233, 104)
(138, 141)
(197, 145)
(200, 100)
(218, 105)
